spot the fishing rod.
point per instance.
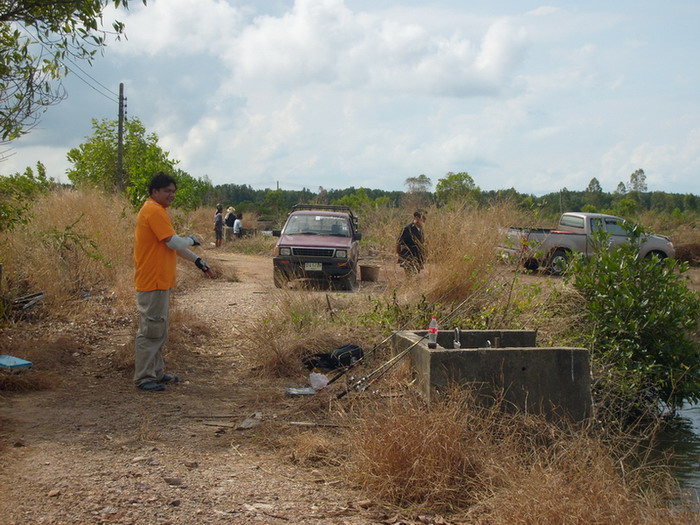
(362, 383)
(356, 363)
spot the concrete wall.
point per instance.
(550, 381)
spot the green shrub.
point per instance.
(642, 317)
(16, 194)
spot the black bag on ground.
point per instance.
(337, 358)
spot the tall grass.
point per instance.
(495, 468)
(76, 249)
(300, 324)
(460, 245)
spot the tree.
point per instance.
(594, 186)
(638, 181)
(621, 189)
(419, 184)
(37, 39)
(593, 196)
(95, 163)
(457, 187)
(418, 195)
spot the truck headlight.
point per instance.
(285, 251)
(341, 253)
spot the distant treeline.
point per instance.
(273, 202)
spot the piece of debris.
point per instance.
(220, 424)
(191, 464)
(175, 482)
(26, 302)
(13, 364)
(251, 421)
(54, 493)
(299, 391)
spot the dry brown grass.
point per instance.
(315, 448)
(495, 468)
(77, 244)
(300, 324)
(49, 357)
(461, 242)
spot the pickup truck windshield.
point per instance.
(317, 225)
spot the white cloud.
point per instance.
(544, 10)
(323, 92)
(177, 27)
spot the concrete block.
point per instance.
(554, 382)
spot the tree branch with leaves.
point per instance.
(37, 39)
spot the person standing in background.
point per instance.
(218, 225)
(156, 247)
(229, 219)
(410, 246)
(238, 225)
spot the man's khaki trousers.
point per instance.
(153, 332)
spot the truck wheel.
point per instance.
(531, 265)
(559, 262)
(349, 282)
(660, 255)
(279, 278)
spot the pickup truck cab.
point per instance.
(320, 243)
(551, 249)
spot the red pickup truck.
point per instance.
(317, 242)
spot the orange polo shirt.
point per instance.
(154, 262)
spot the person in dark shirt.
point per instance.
(219, 225)
(410, 246)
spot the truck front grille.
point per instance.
(313, 252)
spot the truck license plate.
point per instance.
(313, 267)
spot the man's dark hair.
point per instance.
(161, 180)
(419, 214)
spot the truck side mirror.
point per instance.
(358, 236)
(276, 233)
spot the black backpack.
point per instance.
(337, 358)
(230, 219)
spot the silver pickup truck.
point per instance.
(552, 249)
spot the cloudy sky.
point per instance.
(366, 93)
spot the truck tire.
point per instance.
(559, 261)
(279, 278)
(349, 282)
(659, 254)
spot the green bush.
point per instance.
(16, 194)
(642, 318)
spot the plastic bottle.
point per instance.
(433, 332)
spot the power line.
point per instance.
(111, 99)
(92, 78)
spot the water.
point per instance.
(682, 440)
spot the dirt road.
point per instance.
(96, 450)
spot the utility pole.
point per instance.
(121, 183)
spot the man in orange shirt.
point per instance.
(156, 246)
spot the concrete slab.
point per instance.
(554, 382)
